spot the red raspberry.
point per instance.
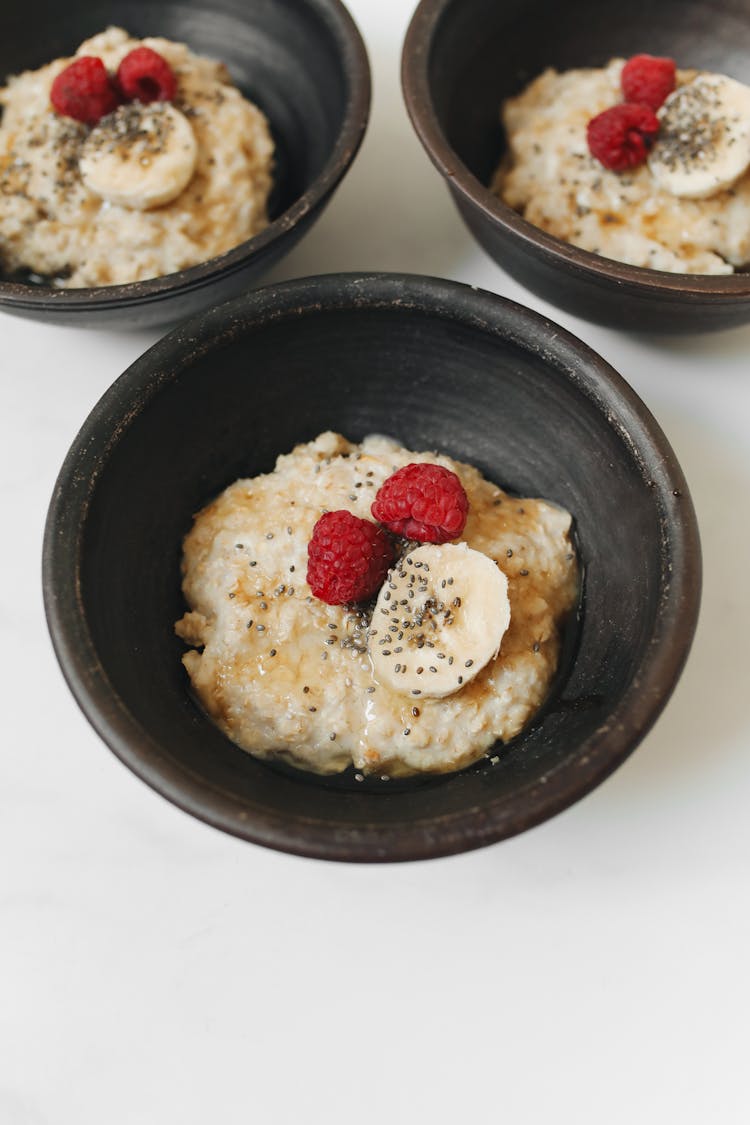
(347, 558)
(84, 90)
(620, 137)
(146, 76)
(424, 502)
(648, 80)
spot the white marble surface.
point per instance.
(155, 972)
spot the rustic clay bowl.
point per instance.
(462, 58)
(302, 61)
(439, 366)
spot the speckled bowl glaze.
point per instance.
(463, 58)
(437, 365)
(302, 61)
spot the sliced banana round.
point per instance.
(141, 156)
(439, 618)
(704, 140)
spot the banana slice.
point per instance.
(704, 141)
(439, 618)
(141, 156)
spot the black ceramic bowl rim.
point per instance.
(357, 69)
(415, 63)
(597, 756)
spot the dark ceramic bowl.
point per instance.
(438, 365)
(462, 58)
(302, 61)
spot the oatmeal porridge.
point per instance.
(390, 686)
(142, 191)
(684, 207)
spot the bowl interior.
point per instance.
(438, 366)
(471, 74)
(284, 55)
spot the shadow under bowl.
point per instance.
(302, 62)
(463, 58)
(439, 366)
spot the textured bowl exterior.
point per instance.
(462, 58)
(302, 61)
(438, 365)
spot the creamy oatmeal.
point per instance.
(286, 675)
(212, 165)
(550, 177)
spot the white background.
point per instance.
(594, 970)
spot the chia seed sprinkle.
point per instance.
(692, 127)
